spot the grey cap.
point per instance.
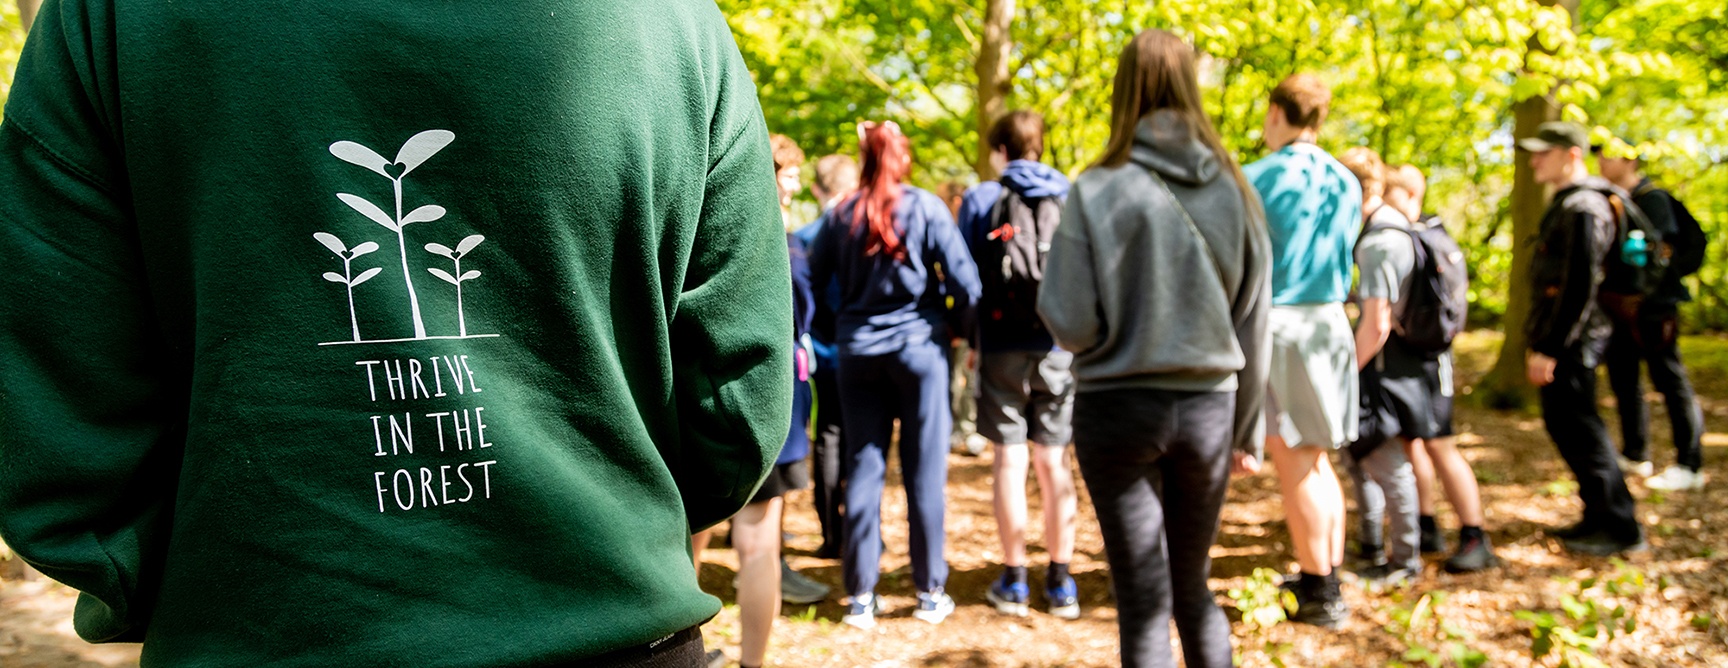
(1556, 134)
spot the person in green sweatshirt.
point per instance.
(372, 334)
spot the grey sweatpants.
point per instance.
(1386, 486)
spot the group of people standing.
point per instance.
(1176, 318)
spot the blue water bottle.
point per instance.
(1636, 251)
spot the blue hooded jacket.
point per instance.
(1029, 179)
(887, 303)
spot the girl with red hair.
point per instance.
(907, 288)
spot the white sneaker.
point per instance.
(1640, 469)
(861, 613)
(1676, 478)
(934, 606)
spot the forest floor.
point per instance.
(1676, 595)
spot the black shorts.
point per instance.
(784, 478)
(1419, 385)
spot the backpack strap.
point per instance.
(997, 212)
(1193, 229)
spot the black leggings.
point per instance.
(1157, 465)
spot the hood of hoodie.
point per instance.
(1164, 143)
(1030, 178)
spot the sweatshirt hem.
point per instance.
(1177, 382)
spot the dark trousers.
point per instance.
(1569, 410)
(911, 385)
(827, 451)
(1138, 448)
(1654, 340)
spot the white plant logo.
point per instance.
(413, 153)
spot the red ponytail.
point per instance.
(885, 155)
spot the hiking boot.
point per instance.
(1571, 531)
(1474, 554)
(933, 606)
(1064, 599)
(1009, 597)
(1676, 479)
(1635, 467)
(1372, 553)
(797, 589)
(862, 612)
(1603, 544)
(1433, 542)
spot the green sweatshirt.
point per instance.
(362, 333)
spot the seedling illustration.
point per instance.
(413, 153)
(347, 277)
(457, 278)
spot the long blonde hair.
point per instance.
(1157, 71)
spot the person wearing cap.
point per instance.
(1568, 332)
(1652, 336)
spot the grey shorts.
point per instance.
(1312, 389)
(1026, 396)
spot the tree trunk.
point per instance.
(1505, 385)
(27, 12)
(994, 79)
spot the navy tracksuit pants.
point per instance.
(911, 385)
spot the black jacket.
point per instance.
(1576, 235)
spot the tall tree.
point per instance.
(995, 82)
(27, 12)
(1506, 383)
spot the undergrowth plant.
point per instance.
(1429, 638)
(1586, 622)
(1263, 604)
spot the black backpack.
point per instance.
(1687, 251)
(1011, 264)
(1625, 283)
(1439, 300)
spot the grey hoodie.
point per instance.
(1131, 291)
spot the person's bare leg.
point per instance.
(1417, 452)
(1009, 471)
(756, 536)
(1457, 478)
(698, 543)
(1302, 474)
(1061, 501)
(1329, 495)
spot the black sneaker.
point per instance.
(1371, 553)
(1570, 531)
(1433, 542)
(1601, 544)
(1473, 555)
(1325, 609)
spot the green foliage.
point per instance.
(1431, 639)
(1586, 623)
(1261, 601)
(1428, 82)
(11, 43)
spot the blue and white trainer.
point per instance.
(934, 606)
(1064, 599)
(1009, 597)
(862, 612)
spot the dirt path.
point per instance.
(1681, 612)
